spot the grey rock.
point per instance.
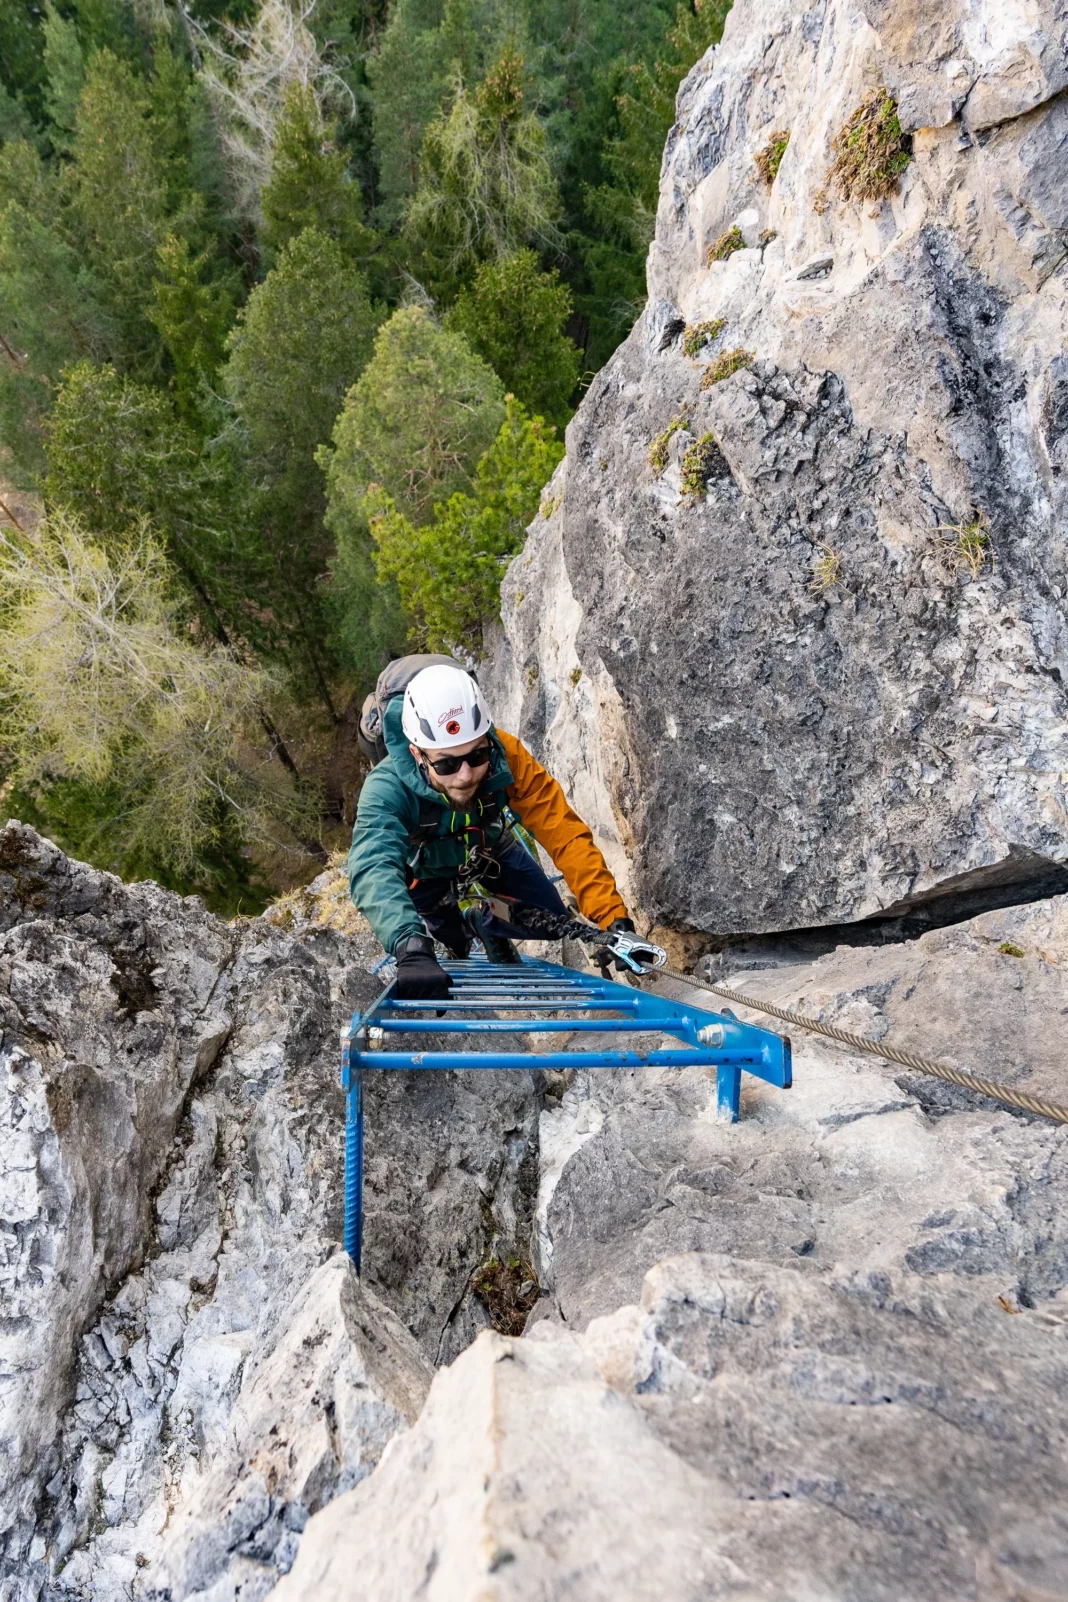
(861, 1162)
(818, 1353)
(788, 702)
(526, 1477)
(884, 1436)
(752, 1431)
(189, 1370)
(343, 1378)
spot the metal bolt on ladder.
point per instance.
(544, 999)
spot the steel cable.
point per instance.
(879, 1048)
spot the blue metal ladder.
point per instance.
(545, 999)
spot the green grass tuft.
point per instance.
(730, 361)
(966, 546)
(769, 160)
(870, 152)
(826, 571)
(699, 334)
(508, 1291)
(725, 245)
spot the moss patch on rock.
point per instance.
(658, 450)
(698, 465)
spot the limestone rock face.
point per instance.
(526, 1477)
(188, 1368)
(763, 664)
(860, 1162)
(804, 665)
(817, 1352)
(745, 1431)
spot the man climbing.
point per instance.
(438, 814)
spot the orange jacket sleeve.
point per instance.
(542, 806)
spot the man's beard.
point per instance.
(462, 798)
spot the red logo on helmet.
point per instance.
(452, 727)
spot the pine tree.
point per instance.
(119, 456)
(413, 428)
(64, 64)
(449, 571)
(304, 337)
(23, 76)
(424, 412)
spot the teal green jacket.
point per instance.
(383, 852)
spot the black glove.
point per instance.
(420, 976)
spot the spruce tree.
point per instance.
(449, 571)
(49, 317)
(413, 429)
(120, 186)
(486, 188)
(192, 314)
(119, 456)
(309, 186)
(408, 74)
(514, 317)
(417, 422)
(302, 340)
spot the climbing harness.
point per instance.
(541, 998)
(879, 1048)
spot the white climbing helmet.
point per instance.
(443, 707)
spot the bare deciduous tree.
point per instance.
(248, 79)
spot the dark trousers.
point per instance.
(520, 879)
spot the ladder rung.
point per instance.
(504, 1026)
(585, 1005)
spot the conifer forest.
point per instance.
(296, 300)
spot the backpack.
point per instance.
(393, 680)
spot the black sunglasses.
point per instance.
(478, 758)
